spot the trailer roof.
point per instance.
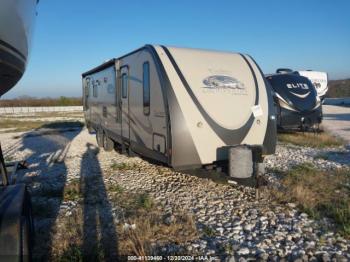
(110, 62)
(100, 67)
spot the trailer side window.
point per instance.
(87, 87)
(124, 85)
(146, 89)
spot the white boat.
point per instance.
(16, 28)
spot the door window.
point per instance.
(124, 85)
(94, 88)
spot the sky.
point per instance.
(72, 37)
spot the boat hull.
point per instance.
(16, 28)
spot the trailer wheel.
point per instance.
(108, 144)
(99, 137)
(89, 128)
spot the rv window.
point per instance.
(146, 89)
(87, 87)
(124, 85)
(94, 88)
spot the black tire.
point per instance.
(89, 128)
(99, 137)
(108, 143)
(131, 153)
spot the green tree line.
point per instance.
(339, 88)
(26, 101)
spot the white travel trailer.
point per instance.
(319, 80)
(187, 108)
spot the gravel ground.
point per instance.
(289, 155)
(240, 226)
(337, 120)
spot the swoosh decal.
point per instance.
(223, 133)
(301, 96)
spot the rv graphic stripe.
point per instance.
(3, 43)
(255, 80)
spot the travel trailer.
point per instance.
(297, 103)
(186, 108)
(16, 26)
(319, 80)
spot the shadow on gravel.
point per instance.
(46, 178)
(220, 177)
(99, 233)
(63, 124)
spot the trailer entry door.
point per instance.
(118, 99)
(125, 103)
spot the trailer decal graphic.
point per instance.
(222, 81)
(301, 95)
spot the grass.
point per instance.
(20, 126)
(141, 210)
(318, 193)
(123, 166)
(115, 188)
(71, 253)
(69, 238)
(151, 229)
(72, 191)
(150, 233)
(132, 203)
(316, 140)
(208, 231)
(143, 200)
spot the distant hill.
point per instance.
(338, 88)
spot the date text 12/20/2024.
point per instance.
(171, 258)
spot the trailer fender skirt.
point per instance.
(12, 204)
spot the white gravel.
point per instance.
(243, 227)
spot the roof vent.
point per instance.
(284, 71)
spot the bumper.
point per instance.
(288, 119)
